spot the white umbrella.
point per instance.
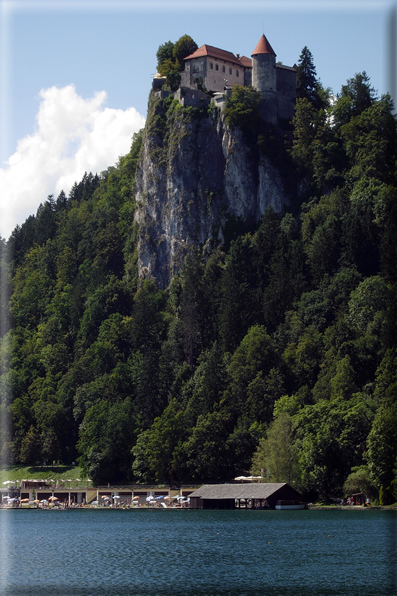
(9, 482)
(116, 497)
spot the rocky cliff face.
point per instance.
(195, 177)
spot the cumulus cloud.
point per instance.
(72, 136)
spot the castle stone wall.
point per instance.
(286, 92)
(214, 78)
(286, 81)
(220, 74)
(264, 73)
(268, 108)
(158, 82)
(192, 97)
(248, 77)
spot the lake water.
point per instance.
(203, 553)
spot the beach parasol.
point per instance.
(134, 498)
(53, 499)
(24, 500)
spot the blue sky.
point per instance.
(75, 76)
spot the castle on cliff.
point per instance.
(218, 71)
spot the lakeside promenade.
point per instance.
(68, 494)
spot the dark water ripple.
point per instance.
(198, 553)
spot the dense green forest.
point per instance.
(276, 351)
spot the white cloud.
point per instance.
(73, 135)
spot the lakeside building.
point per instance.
(40, 490)
(238, 496)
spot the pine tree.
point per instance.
(306, 78)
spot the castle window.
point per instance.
(211, 66)
(230, 70)
(223, 69)
(237, 73)
(197, 66)
(216, 66)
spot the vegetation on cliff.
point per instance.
(275, 352)
(170, 58)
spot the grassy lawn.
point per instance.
(39, 472)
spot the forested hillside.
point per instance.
(274, 351)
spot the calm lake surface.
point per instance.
(204, 553)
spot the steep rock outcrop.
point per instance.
(195, 177)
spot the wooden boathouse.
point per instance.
(243, 496)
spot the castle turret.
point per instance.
(264, 76)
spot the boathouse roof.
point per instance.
(239, 491)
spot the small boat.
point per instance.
(290, 505)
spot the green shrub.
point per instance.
(241, 107)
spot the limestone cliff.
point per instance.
(195, 176)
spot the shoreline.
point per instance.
(351, 508)
(145, 508)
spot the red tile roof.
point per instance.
(216, 53)
(246, 62)
(263, 47)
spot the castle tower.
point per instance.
(264, 76)
(264, 67)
